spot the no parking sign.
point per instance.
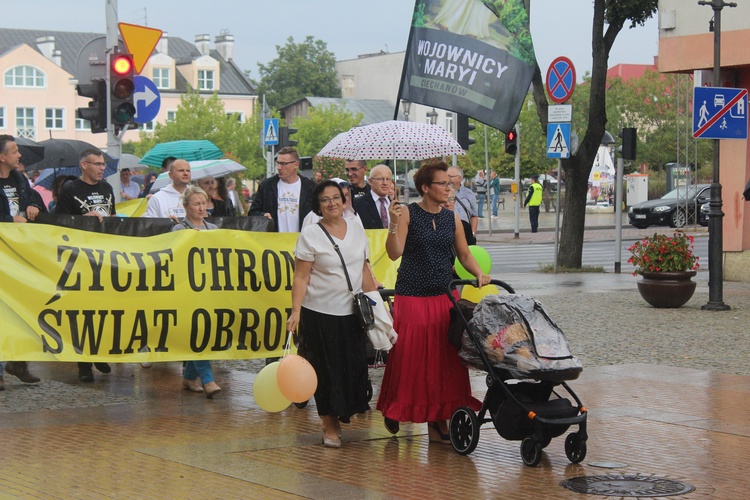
(561, 79)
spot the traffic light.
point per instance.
(122, 88)
(463, 127)
(96, 111)
(511, 142)
(284, 133)
(629, 138)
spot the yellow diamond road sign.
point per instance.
(140, 41)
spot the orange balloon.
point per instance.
(296, 378)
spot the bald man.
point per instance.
(167, 202)
(372, 207)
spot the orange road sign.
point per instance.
(140, 41)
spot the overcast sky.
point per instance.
(349, 27)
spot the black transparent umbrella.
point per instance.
(31, 152)
(59, 153)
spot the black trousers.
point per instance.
(534, 218)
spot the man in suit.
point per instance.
(372, 208)
(285, 198)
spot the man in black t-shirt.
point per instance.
(91, 196)
(355, 172)
(18, 203)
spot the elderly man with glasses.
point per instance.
(355, 172)
(373, 208)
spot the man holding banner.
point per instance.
(89, 195)
(17, 204)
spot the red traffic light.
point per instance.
(511, 136)
(122, 64)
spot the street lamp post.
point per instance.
(406, 106)
(432, 116)
(715, 215)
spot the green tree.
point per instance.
(301, 69)
(614, 14)
(198, 117)
(321, 125)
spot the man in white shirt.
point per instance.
(167, 203)
(285, 198)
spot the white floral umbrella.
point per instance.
(399, 140)
(200, 169)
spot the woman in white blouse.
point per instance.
(329, 336)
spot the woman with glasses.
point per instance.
(349, 213)
(216, 206)
(329, 336)
(424, 378)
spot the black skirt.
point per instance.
(337, 348)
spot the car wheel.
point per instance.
(678, 219)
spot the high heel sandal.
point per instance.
(436, 435)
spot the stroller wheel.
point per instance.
(369, 390)
(464, 430)
(531, 452)
(575, 448)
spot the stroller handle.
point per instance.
(453, 284)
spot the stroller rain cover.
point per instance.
(517, 335)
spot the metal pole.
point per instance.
(487, 176)
(715, 215)
(557, 213)
(618, 214)
(113, 143)
(517, 205)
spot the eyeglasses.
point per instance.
(97, 163)
(380, 179)
(285, 163)
(328, 201)
(444, 184)
(353, 169)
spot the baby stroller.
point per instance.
(526, 358)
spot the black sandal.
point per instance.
(391, 425)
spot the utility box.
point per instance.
(637, 188)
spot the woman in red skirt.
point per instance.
(424, 378)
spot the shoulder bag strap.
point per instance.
(336, 247)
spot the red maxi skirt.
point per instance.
(424, 379)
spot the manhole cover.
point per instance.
(620, 485)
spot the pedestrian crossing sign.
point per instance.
(271, 131)
(558, 140)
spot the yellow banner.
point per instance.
(71, 295)
(132, 208)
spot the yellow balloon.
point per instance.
(266, 389)
(296, 378)
(473, 294)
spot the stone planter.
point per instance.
(667, 289)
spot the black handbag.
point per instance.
(362, 303)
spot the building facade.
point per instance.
(686, 45)
(38, 97)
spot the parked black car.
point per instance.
(703, 215)
(677, 208)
